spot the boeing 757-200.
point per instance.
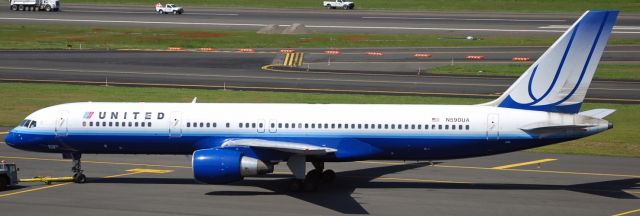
(231, 141)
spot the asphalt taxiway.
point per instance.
(391, 75)
(520, 183)
(320, 20)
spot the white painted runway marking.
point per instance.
(147, 12)
(262, 25)
(621, 29)
(464, 19)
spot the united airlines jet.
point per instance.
(232, 141)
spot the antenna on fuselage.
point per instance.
(195, 99)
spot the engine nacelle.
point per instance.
(220, 166)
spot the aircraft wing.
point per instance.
(290, 147)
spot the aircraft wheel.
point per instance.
(328, 176)
(79, 178)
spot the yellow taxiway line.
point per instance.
(525, 163)
(129, 172)
(627, 212)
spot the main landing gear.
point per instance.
(78, 176)
(312, 180)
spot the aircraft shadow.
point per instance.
(341, 197)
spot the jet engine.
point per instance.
(220, 166)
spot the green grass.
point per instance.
(604, 71)
(413, 5)
(22, 99)
(58, 37)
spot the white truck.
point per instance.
(34, 5)
(347, 5)
(168, 8)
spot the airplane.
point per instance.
(230, 141)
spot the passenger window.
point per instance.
(459, 127)
(136, 124)
(117, 124)
(228, 125)
(273, 125)
(240, 125)
(215, 124)
(188, 124)
(246, 125)
(253, 125)
(433, 127)
(123, 124)
(84, 124)
(366, 126)
(130, 124)
(142, 124)
(406, 126)
(90, 124)
(201, 124)
(97, 124)
(393, 126)
(286, 125)
(419, 127)
(279, 125)
(313, 125)
(208, 124)
(148, 124)
(339, 126)
(260, 125)
(104, 124)
(353, 126)
(293, 125)
(467, 127)
(439, 127)
(326, 125)
(413, 126)
(306, 125)
(299, 125)
(453, 127)
(379, 126)
(110, 124)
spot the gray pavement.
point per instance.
(570, 185)
(243, 71)
(477, 24)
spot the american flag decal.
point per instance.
(87, 115)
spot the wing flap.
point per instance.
(290, 147)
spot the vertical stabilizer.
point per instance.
(559, 79)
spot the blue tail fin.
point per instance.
(559, 79)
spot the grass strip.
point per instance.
(62, 37)
(20, 99)
(411, 5)
(604, 71)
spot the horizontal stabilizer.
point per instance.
(290, 147)
(597, 113)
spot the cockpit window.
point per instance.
(28, 123)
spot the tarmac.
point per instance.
(521, 183)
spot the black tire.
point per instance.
(175, 12)
(328, 6)
(14, 7)
(4, 183)
(161, 12)
(20, 7)
(346, 7)
(47, 8)
(79, 178)
(328, 176)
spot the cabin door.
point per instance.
(493, 127)
(61, 124)
(175, 127)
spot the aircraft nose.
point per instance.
(10, 138)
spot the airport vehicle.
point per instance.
(347, 5)
(168, 8)
(8, 175)
(231, 141)
(35, 5)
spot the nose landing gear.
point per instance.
(78, 176)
